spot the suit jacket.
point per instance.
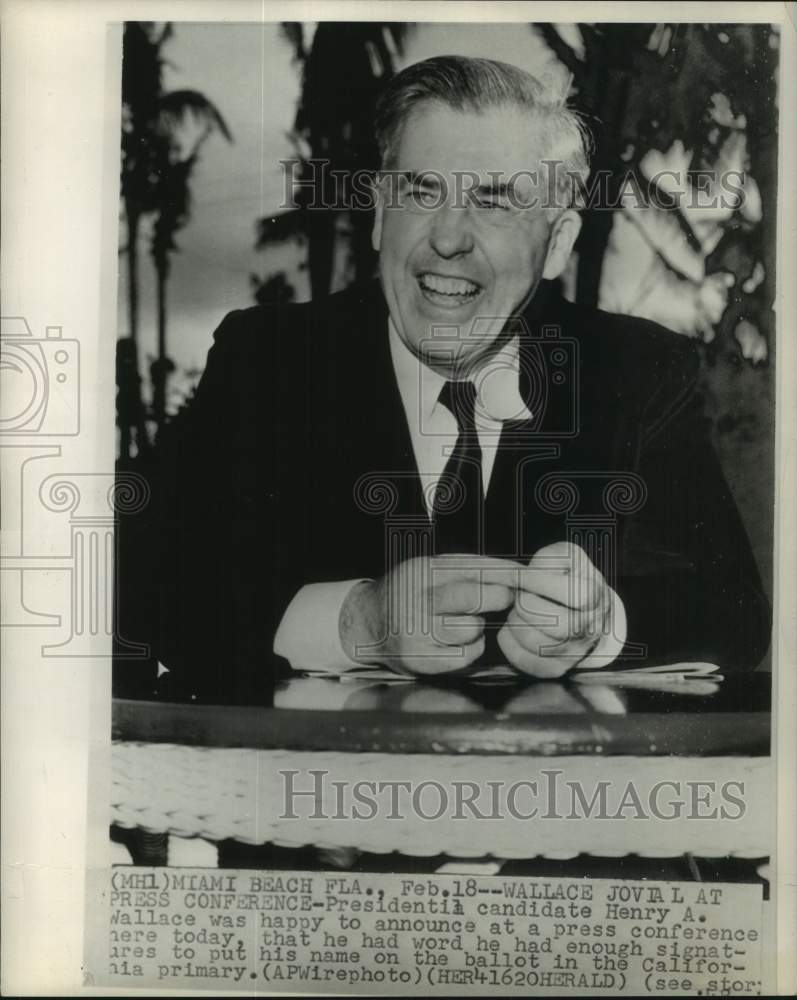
(294, 464)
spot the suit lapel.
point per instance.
(386, 450)
(527, 448)
(370, 456)
(570, 434)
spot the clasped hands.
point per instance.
(426, 616)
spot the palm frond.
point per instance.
(177, 105)
(293, 32)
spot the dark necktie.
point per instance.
(459, 498)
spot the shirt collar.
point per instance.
(499, 397)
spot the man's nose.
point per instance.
(450, 234)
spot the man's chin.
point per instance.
(450, 331)
(451, 355)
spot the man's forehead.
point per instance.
(494, 141)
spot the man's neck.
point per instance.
(469, 368)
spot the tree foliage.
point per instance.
(692, 99)
(343, 71)
(159, 154)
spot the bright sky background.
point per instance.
(248, 72)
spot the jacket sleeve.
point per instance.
(690, 583)
(221, 596)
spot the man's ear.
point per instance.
(379, 205)
(563, 236)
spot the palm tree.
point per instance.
(646, 87)
(173, 194)
(155, 177)
(141, 84)
(343, 72)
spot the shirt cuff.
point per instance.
(612, 640)
(308, 635)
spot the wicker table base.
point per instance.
(220, 793)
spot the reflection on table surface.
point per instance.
(672, 712)
(544, 697)
(619, 694)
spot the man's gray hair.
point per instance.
(474, 84)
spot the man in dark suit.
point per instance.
(452, 465)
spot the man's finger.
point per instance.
(457, 630)
(484, 570)
(571, 649)
(573, 590)
(574, 582)
(527, 662)
(561, 555)
(557, 620)
(429, 657)
(461, 657)
(570, 561)
(465, 597)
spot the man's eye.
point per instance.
(425, 195)
(491, 202)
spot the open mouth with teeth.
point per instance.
(447, 291)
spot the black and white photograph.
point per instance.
(436, 566)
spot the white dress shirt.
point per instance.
(433, 427)
(308, 635)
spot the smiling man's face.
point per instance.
(454, 268)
